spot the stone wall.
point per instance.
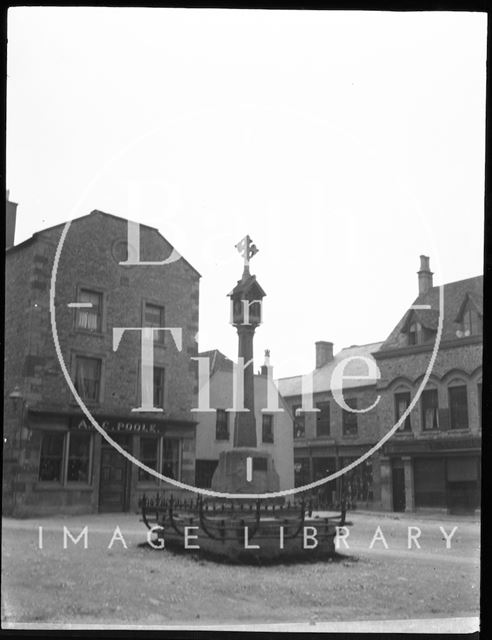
(91, 252)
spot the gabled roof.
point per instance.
(470, 299)
(38, 234)
(455, 294)
(322, 377)
(221, 364)
(218, 361)
(428, 318)
(245, 285)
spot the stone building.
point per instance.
(54, 459)
(332, 437)
(433, 460)
(214, 433)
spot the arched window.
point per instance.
(402, 402)
(458, 404)
(430, 410)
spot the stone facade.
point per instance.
(433, 460)
(126, 296)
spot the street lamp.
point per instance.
(13, 449)
(18, 402)
(15, 396)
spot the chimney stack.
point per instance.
(10, 215)
(425, 276)
(324, 353)
(266, 364)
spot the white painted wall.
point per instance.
(282, 449)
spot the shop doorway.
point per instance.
(399, 502)
(204, 471)
(114, 479)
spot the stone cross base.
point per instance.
(231, 475)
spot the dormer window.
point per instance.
(471, 323)
(414, 333)
(469, 318)
(419, 327)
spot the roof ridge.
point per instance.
(36, 234)
(366, 344)
(447, 284)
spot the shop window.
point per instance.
(463, 486)
(162, 454)
(299, 422)
(349, 418)
(154, 317)
(357, 484)
(51, 462)
(148, 455)
(323, 419)
(267, 427)
(79, 457)
(430, 410)
(159, 375)
(301, 471)
(65, 457)
(222, 425)
(402, 402)
(171, 458)
(88, 378)
(89, 318)
(430, 482)
(458, 407)
(323, 467)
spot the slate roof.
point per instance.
(455, 295)
(247, 283)
(322, 377)
(218, 361)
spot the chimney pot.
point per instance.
(324, 353)
(425, 276)
(266, 364)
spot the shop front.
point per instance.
(67, 466)
(318, 462)
(433, 474)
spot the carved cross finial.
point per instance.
(247, 249)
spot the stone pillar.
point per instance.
(409, 488)
(386, 483)
(245, 421)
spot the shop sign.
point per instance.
(420, 446)
(117, 425)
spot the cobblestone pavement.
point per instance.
(129, 584)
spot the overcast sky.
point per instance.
(345, 143)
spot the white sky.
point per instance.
(345, 143)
